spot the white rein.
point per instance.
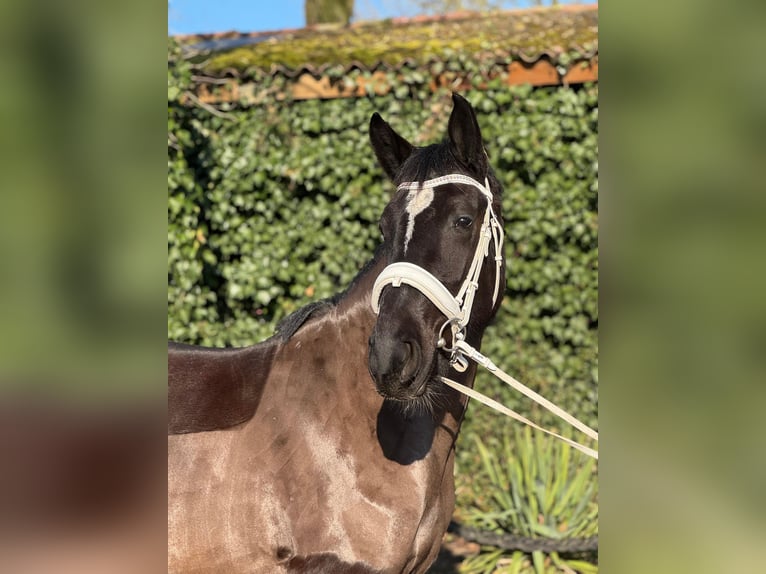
(457, 309)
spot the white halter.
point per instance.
(457, 308)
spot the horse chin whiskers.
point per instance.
(428, 402)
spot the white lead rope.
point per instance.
(463, 348)
(485, 362)
(493, 404)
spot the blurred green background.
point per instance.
(683, 354)
(81, 228)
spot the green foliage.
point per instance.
(493, 561)
(276, 205)
(536, 488)
(533, 487)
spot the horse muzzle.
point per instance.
(396, 364)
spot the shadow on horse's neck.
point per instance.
(407, 438)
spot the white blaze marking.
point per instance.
(417, 201)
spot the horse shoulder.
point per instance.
(213, 389)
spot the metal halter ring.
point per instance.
(457, 359)
(441, 343)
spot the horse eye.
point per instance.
(463, 221)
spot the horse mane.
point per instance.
(288, 326)
(427, 162)
(437, 159)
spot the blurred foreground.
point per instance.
(81, 489)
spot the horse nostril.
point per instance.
(410, 360)
(407, 352)
(394, 362)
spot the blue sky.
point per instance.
(201, 16)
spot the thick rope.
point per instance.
(508, 541)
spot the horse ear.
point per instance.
(465, 136)
(390, 148)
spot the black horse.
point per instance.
(330, 446)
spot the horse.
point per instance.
(329, 447)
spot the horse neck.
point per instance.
(403, 436)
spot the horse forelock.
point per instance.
(436, 160)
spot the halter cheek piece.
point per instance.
(457, 308)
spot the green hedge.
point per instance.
(276, 205)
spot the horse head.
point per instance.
(442, 242)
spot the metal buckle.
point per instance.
(457, 359)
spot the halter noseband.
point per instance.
(457, 308)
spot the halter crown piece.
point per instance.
(456, 308)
